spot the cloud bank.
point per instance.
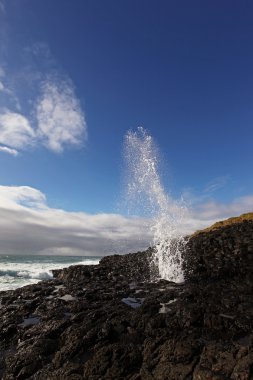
(29, 226)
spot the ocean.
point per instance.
(18, 271)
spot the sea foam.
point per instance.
(17, 271)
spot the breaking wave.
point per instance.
(26, 274)
(17, 271)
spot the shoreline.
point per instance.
(109, 321)
(18, 271)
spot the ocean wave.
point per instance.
(88, 262)
(20, 271)
(40, 275)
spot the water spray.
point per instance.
(146, 192)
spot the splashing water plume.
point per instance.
(146, 193)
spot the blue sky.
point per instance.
(181, 69)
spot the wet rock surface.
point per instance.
(110, 322)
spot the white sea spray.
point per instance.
(17, 271)
(146, 194)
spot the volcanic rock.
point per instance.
(109, 321)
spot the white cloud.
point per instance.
(53, 110)
(23, 196)
(61, 122)
(10, 95)
(28, 225)
(216, 184)
(15, 130)
(213, 210)
(11, 151)
(205, 214)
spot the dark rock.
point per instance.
(84, 323)
(226, 251)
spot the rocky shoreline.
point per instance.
(109, 321)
